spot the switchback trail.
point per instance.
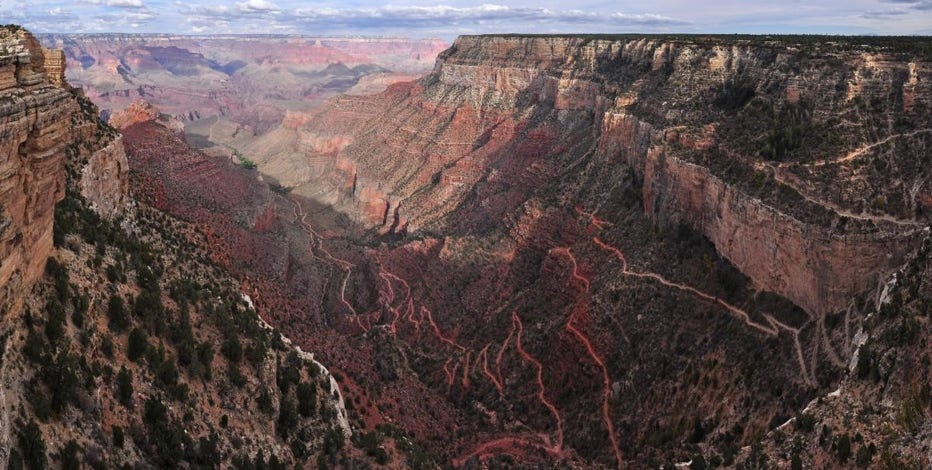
(580, 310)
(542, 390)
(317, 244)
(866, 148)
(772, 328)
(783, 176)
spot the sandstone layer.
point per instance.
(44, 123)
(666, 108)
(578, 250)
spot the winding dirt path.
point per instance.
(580, 310)
(317, 244)
(783, 176)
(542, 390)
(740, 313)
(866, 148)
(772, 328)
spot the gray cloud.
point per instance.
(125, 3)
(447, 18)
(420, 16)
(922, 5)
(883, 14)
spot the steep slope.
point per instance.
(722, 140)
(45, 124)
(662, 210)
(878, 417)
(122, 345)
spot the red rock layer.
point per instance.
(44, 125)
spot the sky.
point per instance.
(447, 19)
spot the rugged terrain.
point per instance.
(122, 344)
(601, 251)
(598, 251)
(681, 216)
(246, 83)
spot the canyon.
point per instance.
(592, 251)
(120, 343)
(247, 82)
(610, 251)
(556, 180)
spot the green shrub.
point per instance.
(137, 344)
(69, 456)
(118, 437)
(116, 313)
(307, 399)
(124, 382)
(32, 446)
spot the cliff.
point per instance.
(121, 344)
(740, 138)
(44, 124)
(579, 251)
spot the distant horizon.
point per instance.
(505, 34)
(452, 18)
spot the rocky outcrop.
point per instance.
(55, 66)
(104, 179)
(707, 123)
(138, 111)
(35, 119)
(44, 124)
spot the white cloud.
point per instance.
(125, 3)
(438, 15)
(447, 18)
(257, 6)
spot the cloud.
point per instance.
(883, 14)
(441, 15)
(903, 7)
(257, 6)
(922, 5)
(125, 3)
(447, 18)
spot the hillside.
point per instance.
(610, 250)
(122, 343)
(551, 251)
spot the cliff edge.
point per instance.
(45, 123)
(806, 163)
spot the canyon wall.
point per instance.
(44, 125)
(726, 135)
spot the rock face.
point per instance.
(578, 251)
(671, 110)
(139, 111)
(44, 123)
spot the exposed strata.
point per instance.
(250, 80)
(43, 123)
(652, 104)
(517, 299)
